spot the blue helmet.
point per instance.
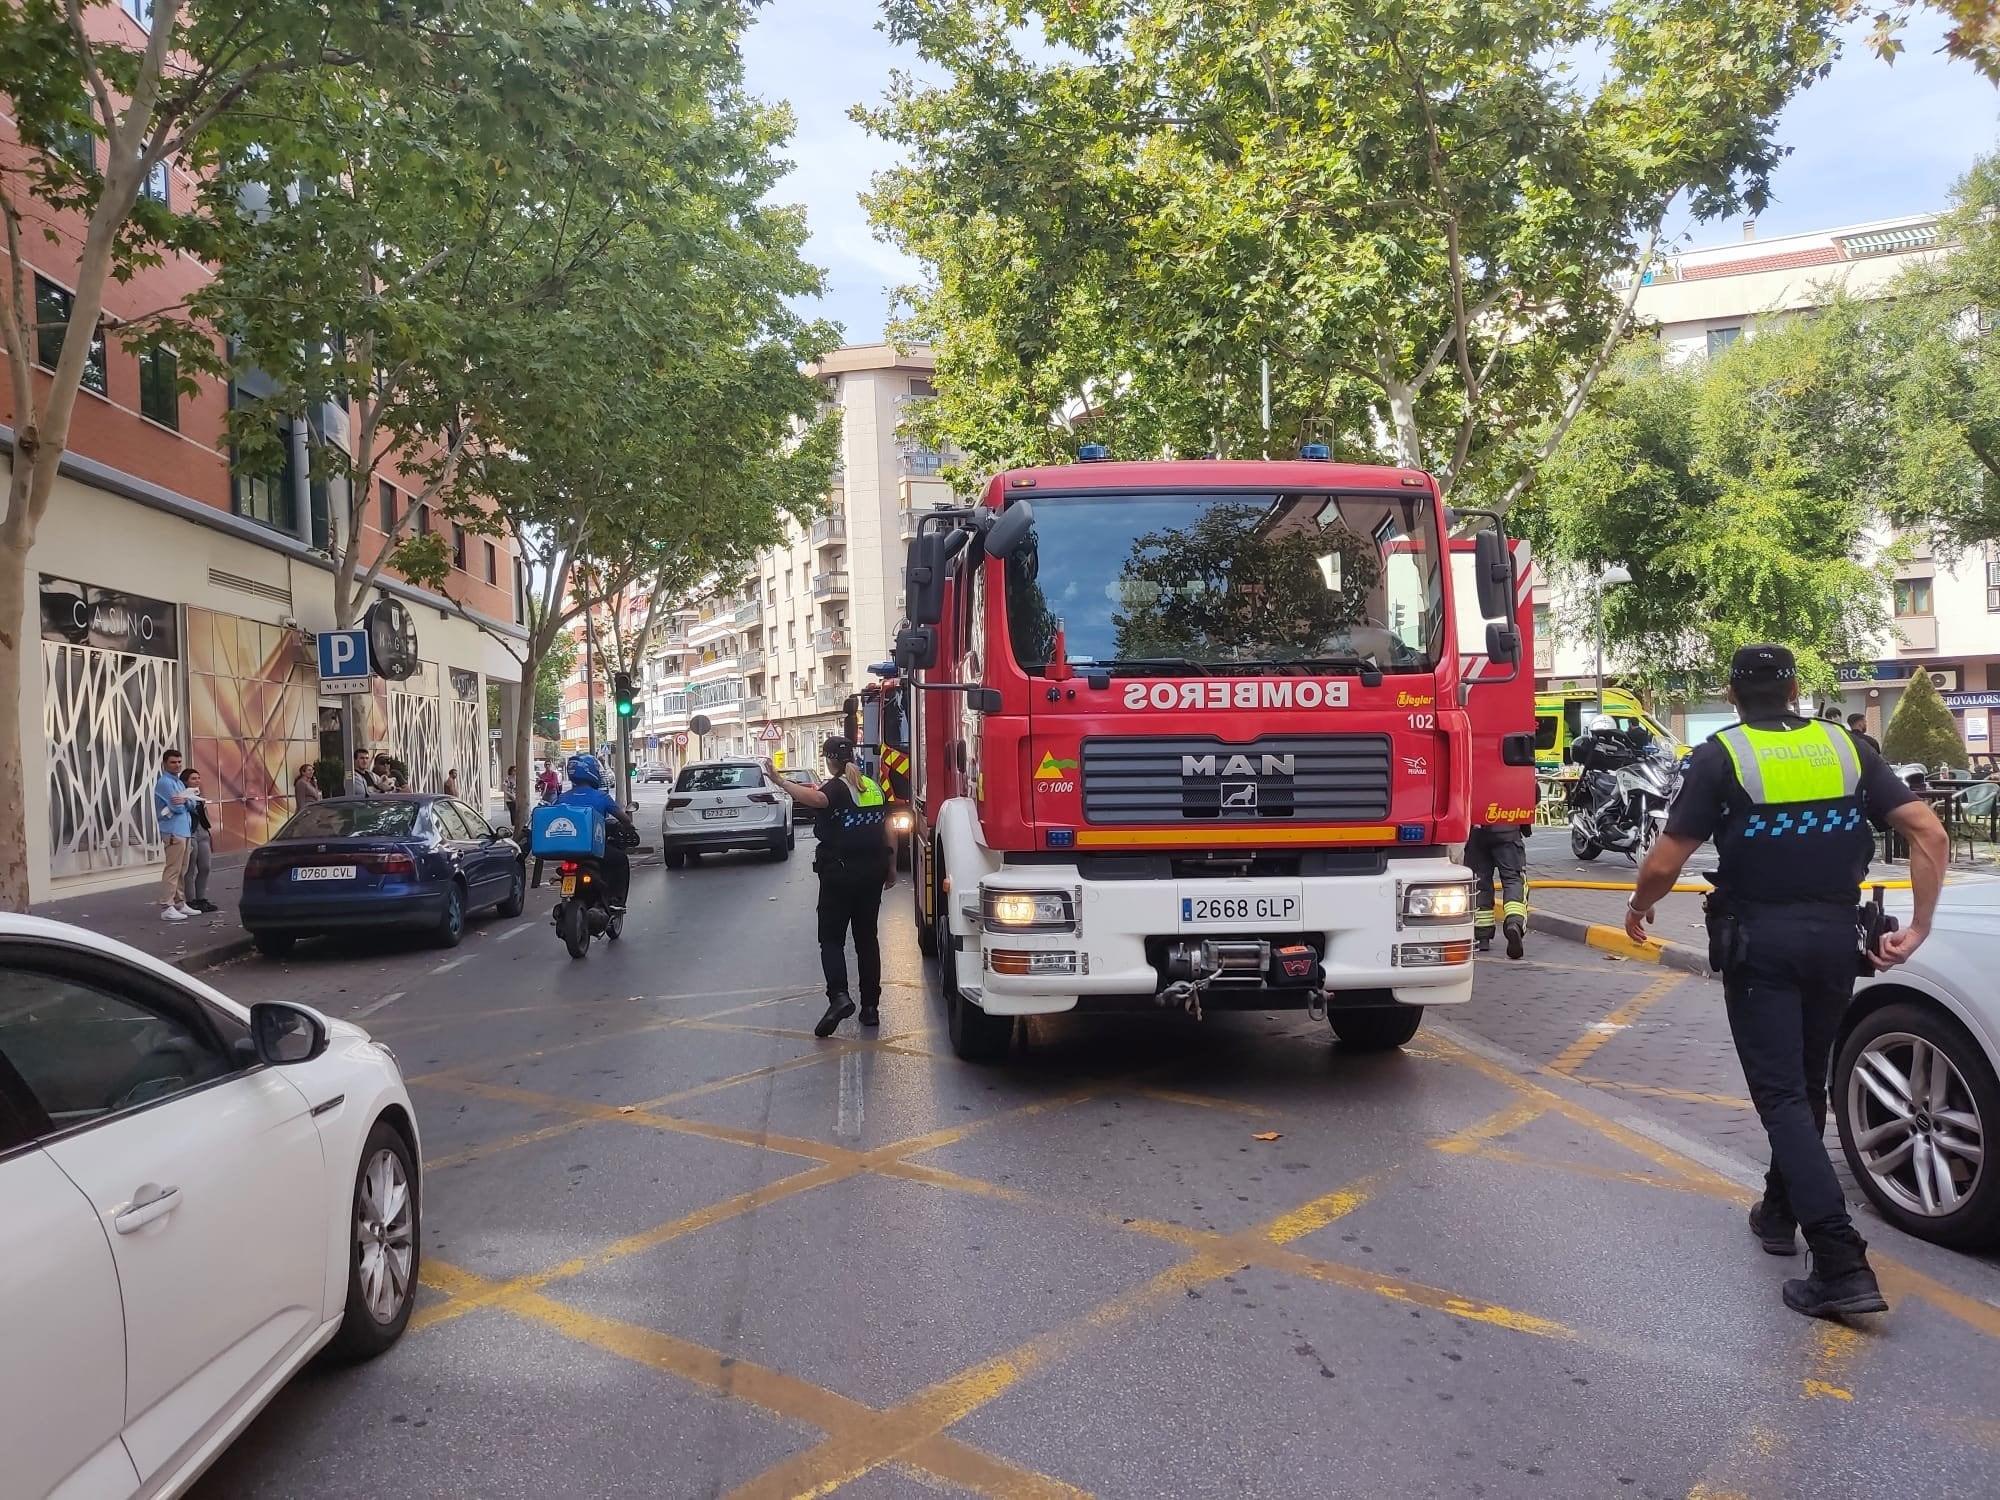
(584, 770)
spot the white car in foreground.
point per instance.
(195, 1198)
(724, 804)
(1916, 1075)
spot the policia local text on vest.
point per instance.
(1790, 803)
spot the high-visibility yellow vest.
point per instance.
(1815, 763)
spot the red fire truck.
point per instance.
(1202, 734)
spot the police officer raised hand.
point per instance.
(1788, 801)
(855, 864)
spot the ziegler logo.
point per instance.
(1236, 765)
(1495, 813)
(1408, 699)
(1264, 692)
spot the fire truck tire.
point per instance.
(976, 1037)
(927, 938)
(1376, 1030)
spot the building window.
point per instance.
(160, 386)
(457, 546)
(52, 310)
(76, 143)
(140, 11)
(921, 389)
(387, 493)
(1913, 596)
(492, 564)
(922, 462)
(423, 520)
(1721, 338)
(267, 498)
(157, 185)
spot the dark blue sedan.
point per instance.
(413, 863)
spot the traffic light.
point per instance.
(621, 692)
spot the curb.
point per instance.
(207, 957)
(1613, 940)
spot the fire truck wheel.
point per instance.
(927, 938)
(1376, 1030)
(976, 1037)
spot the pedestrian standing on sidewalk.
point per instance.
(306, 788)
(511, 794)
(451, 782)
(170, 810)
(360, 783)
(201, 845)
(1497, 848)
(855, 864)
(1787, 800)
(1857, 725)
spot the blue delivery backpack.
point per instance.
(570, 832)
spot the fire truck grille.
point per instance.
(1332, 778)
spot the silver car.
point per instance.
(724, 804)
(1916, 1075)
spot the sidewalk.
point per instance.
(131, 915)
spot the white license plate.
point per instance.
(569, 885)
(323, 872)
(718, 812)
(1241, 906)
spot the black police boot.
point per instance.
(1516, 930)
(838, 1009)
(871, 1013)
(1775, 1228)
(1839, 1283)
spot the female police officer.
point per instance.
(1788, 800)
(855, 865)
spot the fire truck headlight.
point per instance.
(1029, 911)
(1437, 903)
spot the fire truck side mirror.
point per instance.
(1004, 537)
(924, 581)
(1494, 570)
(916, 648)
(1503, 644)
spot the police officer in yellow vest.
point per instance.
(1788, 801)
(855, 864)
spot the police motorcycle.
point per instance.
(1620, 801)
(576, 838)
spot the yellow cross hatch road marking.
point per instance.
(1578, 1052)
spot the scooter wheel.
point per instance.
(575, 930)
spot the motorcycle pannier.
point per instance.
(561, 830)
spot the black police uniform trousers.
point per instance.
(1497, 848)
(850, 897)
(1785, 986)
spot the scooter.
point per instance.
(583, 907)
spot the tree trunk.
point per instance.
(524, 743)
(1403, 424)
(13, 732)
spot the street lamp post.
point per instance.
(1610, 577)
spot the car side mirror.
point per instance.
(286, 1034)
(495, 833)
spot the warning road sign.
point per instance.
(771, 734)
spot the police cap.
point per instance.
(838, 749)
(1763, 663)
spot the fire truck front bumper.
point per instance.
(1046, 939)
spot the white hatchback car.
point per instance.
(724, 804)
(195, 1198)
(1916, 1076)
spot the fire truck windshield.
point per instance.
(1196, 583)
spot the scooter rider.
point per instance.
(586, 789)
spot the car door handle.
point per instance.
(149, 1203)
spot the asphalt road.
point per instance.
(674, 1246)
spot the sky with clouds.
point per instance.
(1870, 141)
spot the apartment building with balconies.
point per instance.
(1945, 615)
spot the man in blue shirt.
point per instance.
(586, 789)
(170, 808)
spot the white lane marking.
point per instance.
(368, 1010)
(852, 1109)
(449, 964)
(512, 932)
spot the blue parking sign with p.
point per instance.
(343, 661)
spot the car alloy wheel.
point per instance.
(385, 1236)
(1915, 1124)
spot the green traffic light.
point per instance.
(624, 710)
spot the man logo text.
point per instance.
(1236, 765)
